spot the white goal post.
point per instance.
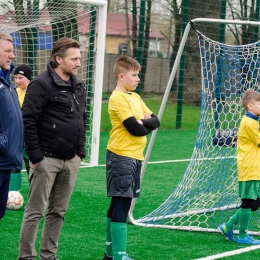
(208, 192)
(36, 25)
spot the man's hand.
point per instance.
(36, 164)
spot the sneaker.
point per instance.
(229, 234)
(248, 240)
(107, 257)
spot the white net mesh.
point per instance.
(35, 28)
(208, 192)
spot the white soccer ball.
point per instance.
(15, 200)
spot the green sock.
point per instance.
(15, 181)
(119, 235)
(244, 220)
(109, 251)
(234, 220)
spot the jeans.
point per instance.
(52, 183)
(4, 189)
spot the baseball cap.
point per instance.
(24, 70)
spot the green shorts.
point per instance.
(249, 189)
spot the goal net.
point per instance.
(36, 25)
(207, 195)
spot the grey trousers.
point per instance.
(52, 183)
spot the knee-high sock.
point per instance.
(119, 237)
(234, 220)
(15, 181)
(244, 220)
(109, 251)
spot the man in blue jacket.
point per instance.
(11, 122)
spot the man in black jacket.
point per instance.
(54, 119)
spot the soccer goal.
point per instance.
(208, 192)
(36, 25)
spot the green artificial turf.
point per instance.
(83, 233)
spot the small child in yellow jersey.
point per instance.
(248, 168)
(131, 121)
(22, 78)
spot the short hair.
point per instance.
(6, 36)
(60, 48)
(124, 64)
(250, 96)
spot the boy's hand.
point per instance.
(147, 116)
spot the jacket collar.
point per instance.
(5, 74)
(250, 115)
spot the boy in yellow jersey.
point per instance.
(248, 167)
(22, 78)
(131, 121)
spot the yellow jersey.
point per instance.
(120, 107)
(21, 95)
(248, 150)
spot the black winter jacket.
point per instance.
(54, 117)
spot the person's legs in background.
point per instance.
(4, 189)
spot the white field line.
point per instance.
(85, 165)
(230, 253)
(167, 161)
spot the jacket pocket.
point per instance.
(123, 173)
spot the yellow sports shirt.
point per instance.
(21, 95)
(120, 107)
(248, 151)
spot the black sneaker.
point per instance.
(107, 257)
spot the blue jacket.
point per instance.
(11, 126)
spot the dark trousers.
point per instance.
(27, 165)
(4, 189)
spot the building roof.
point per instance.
(117, 26)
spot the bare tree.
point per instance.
(175, 10)
(127, 25)
(146, 40)
(134, 28)
(243, 10)
(130, 8)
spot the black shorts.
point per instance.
(123, 176)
